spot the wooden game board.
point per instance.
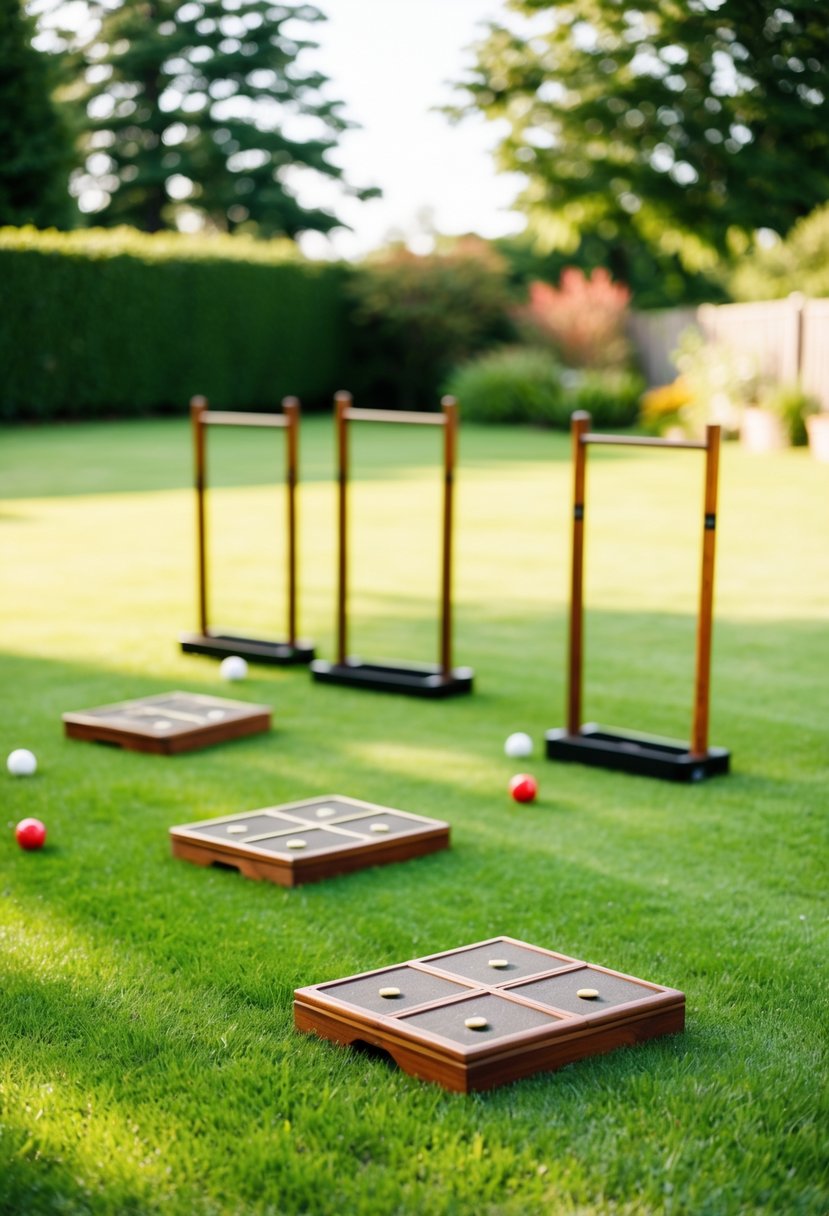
(168, 722)
(522, 1001)
(306, 841)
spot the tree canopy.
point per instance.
(685, 124)
(36, 152)
(202, 106)
(798, 263)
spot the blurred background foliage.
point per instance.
(113, 322)
(798, 263)
(673, 155)
(680, 127)
(109, 322)
(415, 317)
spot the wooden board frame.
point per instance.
(353, 839)
(631, 751)
(168, 723)
(525, 1034)
(221, 644)
(424, 679)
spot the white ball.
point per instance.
(21, 762)
(234, 667)
(518, 744)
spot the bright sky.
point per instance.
(389, 61)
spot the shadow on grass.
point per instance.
(131, 1048)
(671, 883)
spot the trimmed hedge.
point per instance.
(114, 322)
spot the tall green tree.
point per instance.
(202, 105)
(685, 124)
(36, 153)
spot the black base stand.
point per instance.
(646, 755)
(422, 680)
(257, 650)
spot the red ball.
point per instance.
(30, 833)
(523, 787)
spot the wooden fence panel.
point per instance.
(655, 336)
(788, 339)
(768, 331)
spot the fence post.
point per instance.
(792, 361)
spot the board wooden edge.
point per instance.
(290, 872)
(563, 1022)
(92, 730)
(543, 1051)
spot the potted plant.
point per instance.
(791, 407)
(762, 429)
(817, 428)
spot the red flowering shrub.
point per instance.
(583, 318)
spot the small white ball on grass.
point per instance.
(234, 667)
(518, 744)
(21, 762)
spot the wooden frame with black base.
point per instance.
(221, 644)
(489, 1013)
(424, 680)
(635, 752)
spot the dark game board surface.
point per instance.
(168, 722)
(310, 840)
(489, 1013)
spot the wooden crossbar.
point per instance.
(640, 441)
(412, 417)
(234, 418)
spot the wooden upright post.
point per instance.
(290, 408)
(450, 417)
(342, 402)
(699, 730)
(198, 408)
(579, 426)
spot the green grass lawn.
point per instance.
(148, 1061)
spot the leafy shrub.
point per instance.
(512, 385)
(415, 317)
(798, 263)
(663, 407)
(719, 381)
(583, 319)
(792, 404)
(611, 397)
(117, 322)
(525, 384)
